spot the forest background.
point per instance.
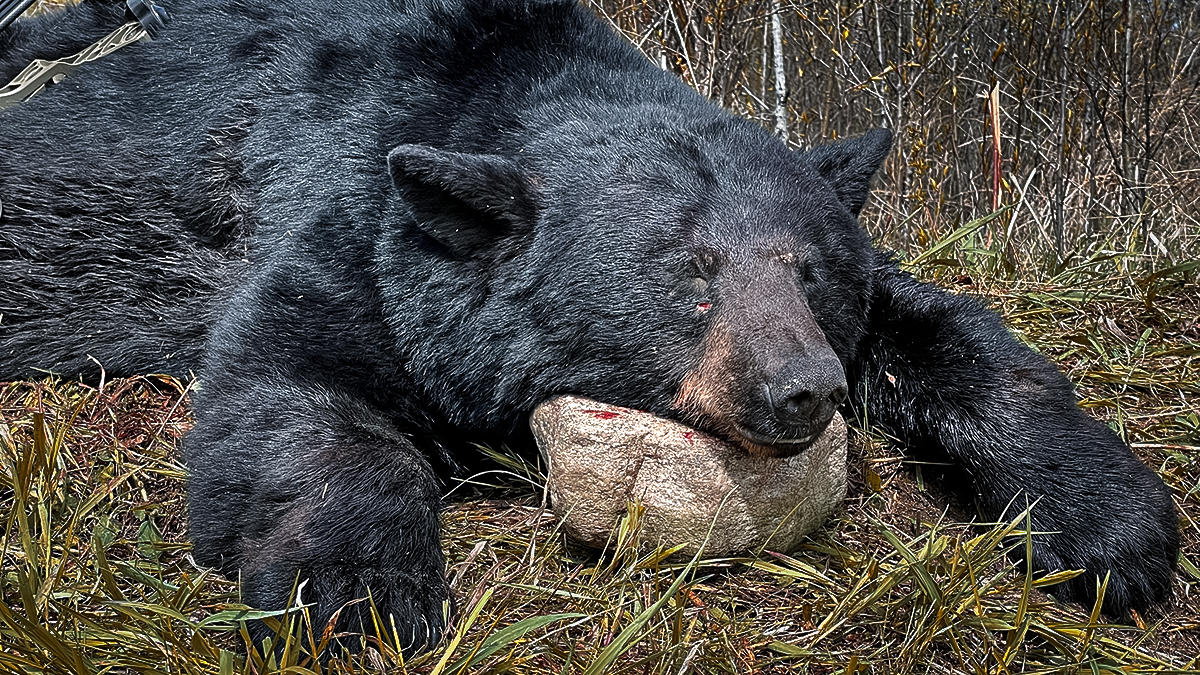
(1082, 116)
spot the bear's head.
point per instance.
(698, 270)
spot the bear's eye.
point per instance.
(803, 264)
(700, 269)
(703, 265)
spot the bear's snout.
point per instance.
(804, 394)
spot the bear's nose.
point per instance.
(805, 393)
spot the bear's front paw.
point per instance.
(1137, 553)
(412, 606)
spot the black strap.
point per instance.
(152, 17)
(11, 9)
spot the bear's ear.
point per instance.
(464, 201)
(850, 164)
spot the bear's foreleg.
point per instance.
(310, 488)
(943, 375)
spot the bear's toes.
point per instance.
(1140, 573)
(359, 606)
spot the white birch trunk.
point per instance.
(781, 116)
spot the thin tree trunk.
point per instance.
(1060, 191)
(762, 96)
(781, 116)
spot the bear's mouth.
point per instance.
(770, 445)
(763, 439)
(774, 443)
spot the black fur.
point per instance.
(380, 230)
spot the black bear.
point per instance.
(380, 230)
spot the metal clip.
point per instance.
(40, 74)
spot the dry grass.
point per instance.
(97, 575)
